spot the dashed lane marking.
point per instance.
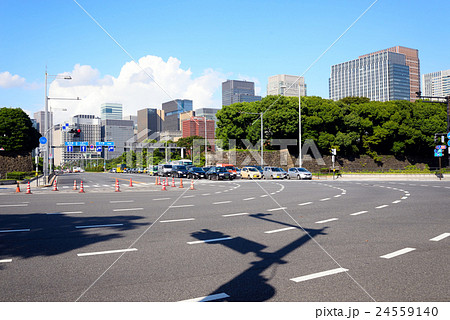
(280, 230)
(100, 226)
(328, 220)
(319, 275)
(235, 214)
(304, 203)
(105, 252)
(440, 237)
(397, 253)
(178, 220)
(358, 213)
(208, 298)
(209, 240)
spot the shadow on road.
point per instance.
(52, 234)
(251, 285)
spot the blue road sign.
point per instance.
(110, 148)
(438, 153)
(76, 143)
(104, 143)
(69, 148)
(448, 135)
(42, 140)
(99, 148)
(83, 148)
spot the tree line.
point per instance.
(353, 125)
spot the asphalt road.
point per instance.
(226, 241)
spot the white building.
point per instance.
(286, 85)
(436, 84)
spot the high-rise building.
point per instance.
(436, 84)
(382, 76)
(286, 85)
(149, 121)
(412, 61)
(40, 121)
(111, 111)
(234, 91)
(195, 126)
(118, 131)
(172, 111)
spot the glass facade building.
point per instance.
(436, 84)
(111, 111)
(382, 76)
(172, 111)
(234, 91)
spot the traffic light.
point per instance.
(77, 133)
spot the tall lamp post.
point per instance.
(46, 120)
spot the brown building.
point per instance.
(412, 61)
(195, 126)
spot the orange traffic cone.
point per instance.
(117, 186)
(181, 183)
(74, 185)
(163, 187)
(81, 187)
(192, 185)
(18, 187)
(131, 182)
(55, 188)
(28, 188)
(156, 180)
(173, 182)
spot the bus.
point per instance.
(182, 162)
(120, 167)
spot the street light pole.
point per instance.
(300, 162)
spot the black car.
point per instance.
(179, 171)
(218, 173)
(196, 173)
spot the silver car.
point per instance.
(299, 173)
(274, 173)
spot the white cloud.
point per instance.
(7, 80)
(148, 85)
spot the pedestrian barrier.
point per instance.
(117, 186)
(28, 188)
(81, 187)
(74, 185)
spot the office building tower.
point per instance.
(436, 84)
(413, 62)
(111, 111)
(195, 126)
(149, 122)
(286, 85)
(382, 76)
(234, 91)
(118, 131)
(40, 121)
(172, 111)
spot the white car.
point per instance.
(274, 173)
(299, 173)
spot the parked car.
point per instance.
(250, 173)
(218, 173)
(196, 173)
(232, 169)
(274, 173)
(164, 170)
(152, 170)
(260, 169)
(299, 173)
(179, 171)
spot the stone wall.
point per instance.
(285, 160)
(15, 162)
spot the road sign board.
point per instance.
(91, 147)
(441, 147)
(99, 148)
(448, 135)
(110, 148)
(42, 140)
(76, 143)
(438, 153)
(69, 148)
(104, 143)
(83, 148)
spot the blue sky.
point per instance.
(209, 42)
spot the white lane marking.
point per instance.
(403, 198)
(222, 202)
(382, 206)
(121, 201)
(177, 220)
(188, 196)
(264, 195)
(319, 274)
(246, 199)
(208, 298)
(161, 199)
(65, 212)
(235, 214)
(100, 226)
(337, 196)
(69, 203)
(277, 209)
(182, 206)
(325, 199)
(397, 253)
(358, 213)
(440, 237)
(5, 260)
(304, 203)
(397, 201)
(14, 205)
(210, 240)
(16, 230)
(206, 194)
(128, 209)
(328, 220)
(105, 252)
(218, 192)
(280, 230)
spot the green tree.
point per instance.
(16, 131)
